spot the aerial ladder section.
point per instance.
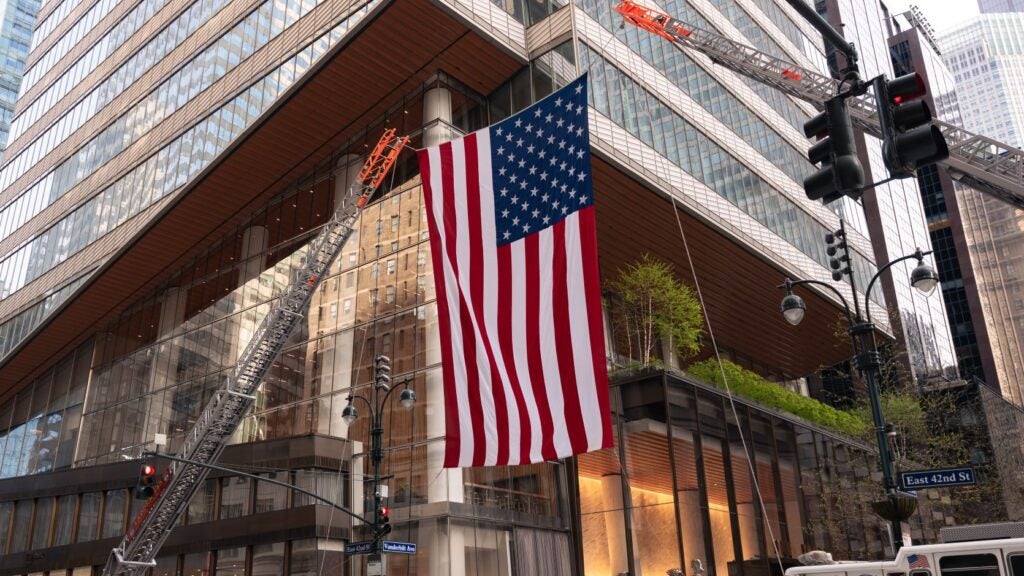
(982, 163)
(206, 440)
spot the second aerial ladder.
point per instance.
(982, 163)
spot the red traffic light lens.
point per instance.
(148, 470)
(906, 88)
(384, 511)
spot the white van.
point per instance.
(1003, 557)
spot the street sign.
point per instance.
(398, 547)
(359, 548)
(938, 478)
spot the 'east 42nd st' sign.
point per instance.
(938, 478)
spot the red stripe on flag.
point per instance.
(595, 316)
(468, 341)
(507, 350)
(476, 293)
(533, 351)
(476, 412)
(563, 342)
(453, 435)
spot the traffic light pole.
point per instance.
(834, 37)
(382, 390)
(897, 506)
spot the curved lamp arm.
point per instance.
(789, 284)
(919, 255)
(384, 401)
(370, 406)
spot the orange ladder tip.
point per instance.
(649, 19)
(379, 162)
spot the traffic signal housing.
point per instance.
(838, 252)
(909, 139)
(384, 525)
(382, 518)
(841, 173)
(145, 485)
(382, 372)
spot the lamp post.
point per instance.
(382, 390)
(897, 506)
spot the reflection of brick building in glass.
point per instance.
(180, 223)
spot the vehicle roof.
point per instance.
(908, 550)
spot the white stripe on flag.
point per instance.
(473, 332)
(548, 343)
(455, 342)
(490, 307)
(579, 326)
(519, 346)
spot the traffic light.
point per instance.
(841, 173)
(838, 253)
(383, 372)
(147, 478)
(382, 524)
(909, 139)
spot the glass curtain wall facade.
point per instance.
(17, 19)
(154, 368)
(728, 144)
(988, 6)
(986, 57)
(151, 369)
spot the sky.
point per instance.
(942, 14)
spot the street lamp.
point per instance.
(898, 506)
(382, 389)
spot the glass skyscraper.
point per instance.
(986, 57)
(17, 20)
(172, 159)
(989, 6)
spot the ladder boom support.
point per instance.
(225, 410)
(989, 166)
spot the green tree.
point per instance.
(653, 304)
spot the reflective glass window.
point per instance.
(114, 506)
(89, 517)
(42, 523)
(234, 497)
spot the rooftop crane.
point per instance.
(206, 440)
(977, 161)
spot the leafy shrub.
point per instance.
(751, 385)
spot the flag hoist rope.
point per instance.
(711, 334)
(220, 418)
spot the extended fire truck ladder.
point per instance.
(979, 162)
(218, 421)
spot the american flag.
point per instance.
(513, 240)
(918, 561)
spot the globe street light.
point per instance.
(898, 506)
(382, 389)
